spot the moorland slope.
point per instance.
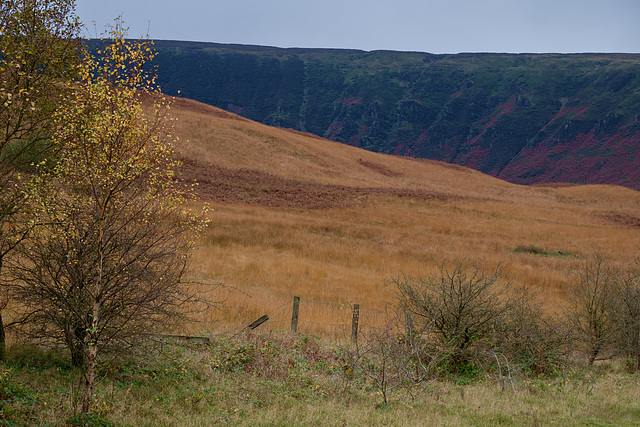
(294, 214)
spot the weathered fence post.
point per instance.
(354, 324)
(258, 322)
(294, 315)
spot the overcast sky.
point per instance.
(435, 26)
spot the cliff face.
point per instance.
(524, 118)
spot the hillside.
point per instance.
(527, 118)
(294, 214)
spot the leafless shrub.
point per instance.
(529, 341)
(592, 304)
(626, 315)
(480, 324)
(455, 307)
(396, 361)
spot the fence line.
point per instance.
(342, 306)
(295, 314)
(323, 323)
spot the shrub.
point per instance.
(592, 304)
(457, 308)
(534, 250)
(89, 419)
(394, 361)
(529, 341)
(626, 316)
(468, 318)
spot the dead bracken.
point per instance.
(377, 167)
(226, 185)
(622, 220)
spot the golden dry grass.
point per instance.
(298, 215)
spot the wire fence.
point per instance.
(341, 322)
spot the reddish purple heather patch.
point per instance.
(334, 130)
(237, 110)
(349, 101)
(586, 158)
(474, 158)
(500, 110)
(572, 112)
(507, 107)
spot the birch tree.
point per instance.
(106, 265)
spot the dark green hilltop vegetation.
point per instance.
(525, 118)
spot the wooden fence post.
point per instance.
(258, 322)
(354, 324)
(294, 315)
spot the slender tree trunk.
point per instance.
(90, 377)
(90, 342)
(595, 350)
(3, 344)
(77, 358)
(75, 339)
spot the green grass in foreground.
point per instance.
(282, 380)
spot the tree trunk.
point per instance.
(90, 377)
(90, 343)
(75, 338)
(3, 344)
(77, 358)
(595, 350)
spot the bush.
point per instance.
(394, 361)
(456, 308)
(271, 356)
(529, 341)
(12, 396)
(626, 316)
(534, 250)
(592, 306)
(89, 419)
(472, 317)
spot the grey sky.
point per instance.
(436, 26)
